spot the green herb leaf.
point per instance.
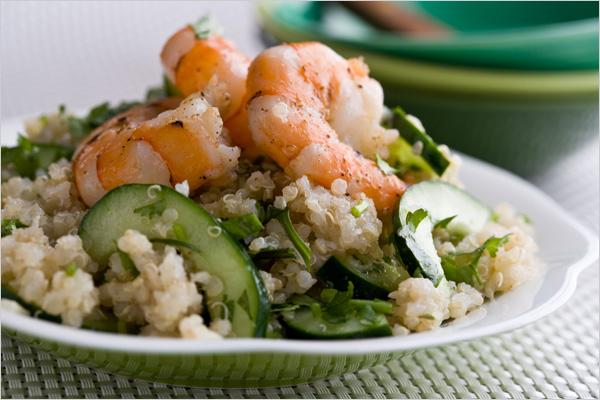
(285, 307)
(413, 219)
(283, 216)
(9, 225)
(168, 89)
(71, 269)
(495, 216)
(462, 267)
(82, 127)
(384, 166)
(316, 310)
(427, 316)
(151, 210)
(179, 232)
(28, 156)
(128, 264)
(378, 305)
(444, 223)
(358, 209)
(206, 27)
(526, 218)
(243, 226)
(176, 243)
(272, 254)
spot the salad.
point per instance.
(276, 197)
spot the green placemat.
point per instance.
(556, 357)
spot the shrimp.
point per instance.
(314, 112)
(165, 142)
(213, 65)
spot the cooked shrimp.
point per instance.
(314, 112)
(155, 143)
(215, 67)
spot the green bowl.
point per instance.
(518, 35)
(523, 121)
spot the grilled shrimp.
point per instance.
(165, 142)
(314, 112)
(215, 66)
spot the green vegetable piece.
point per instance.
(384, 166)
(285, 307)
(462, 267)
(444, 223)
(413, 219)
(412, 134)
(206, 27)
(128, 264)
(71, 269)
(272, 254)
(427, 316)
(28, 156)
(9, 225)
(243, 226)
(82, 127)
(358, 209)
(176, 243)
(168, 89)
(283, 216)
(382, 306)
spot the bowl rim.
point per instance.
(455, 80)
(100, 341)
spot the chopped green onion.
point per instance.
(8, 225)
(283, 216)
(177, 243)
(71, 269)
(243, 226)
(358, 209)
(270, 254)
(384, 166)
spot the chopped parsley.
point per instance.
(243, 226)
(444, 223)
(206, 27)
(176, 243)
(9, 225)
(71, 269)
(82, 127)
(168, 89)
(151, 210)
(127, 263)
(271, 254)
(28, 157)
(462, 267)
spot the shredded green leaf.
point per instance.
(206, 27)
(82, 127)
(285, 307)
(413, 219)
(177, 243)
(272, 254)
(444, 223)
(384, 166)
(462, 267)
(358, 209)
(9, 225)
(283, 216)
(168, 89)
(243, 226)
(427, 316)
(71, 269)
(28, 156)
(128, 264)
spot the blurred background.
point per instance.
(514, 83)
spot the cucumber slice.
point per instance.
(371, 278)
(105, 322)
(244, 299)
(302, 324)
(412, 134)
(441, 201)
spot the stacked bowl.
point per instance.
(514, 83)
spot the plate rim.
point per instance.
(100, 341)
